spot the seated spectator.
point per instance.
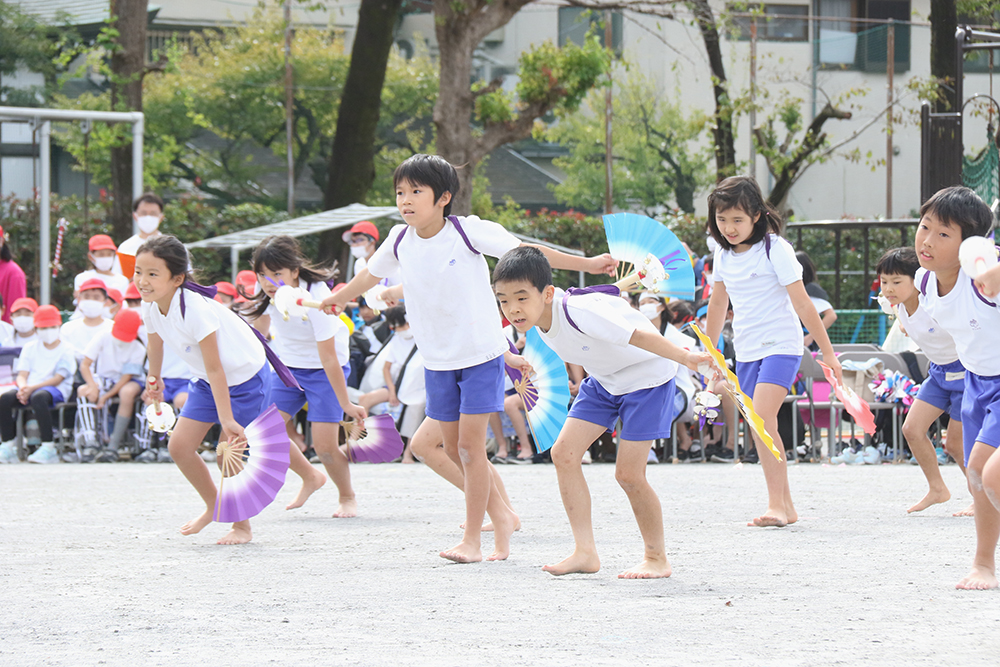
(401, 345)
(44, 376)
(91, 323)
(133, 299)
(227, 293)
(112, 366)
(6, 330)
(101, 255)
(366, 341)
(246, 285)
(113, 303)
(176, 378)
(817, 295)
(22, 317)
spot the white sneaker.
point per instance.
(872, 456)
(8, 453)
(586, 458)
(45, 454)
(208, 456)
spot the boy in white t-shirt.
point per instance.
(78, 333)
(439, 261)
(117, 359)
(631, 376)
(22, 317)
(968, 310)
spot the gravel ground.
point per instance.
(95, 572)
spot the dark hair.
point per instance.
(277, 253)
(680, 312)
(808, 268)
(395, 316)
(524, 263)
(431, 171)
(898, 262)
(742, 192)
(5, 253)
(710, 262)
(171, 251)
(149, 198)
(962, 207)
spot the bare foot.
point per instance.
(775, 518)
(501, 537)
(308, 487)
(240, 534)
(195, 525)
(933, 497)
(978, 579)
(488, 526)
(348, 508)
(968, 511)
(647, 569)
(463, 553)
(577, 562)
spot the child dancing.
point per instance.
(758, 271)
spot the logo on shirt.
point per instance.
(451, 263)
(931, 330)
(585, 348)
(187, 349)
(974, 324)
(753, 274)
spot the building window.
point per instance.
(863, 46)
(775, 23)
(576, 22)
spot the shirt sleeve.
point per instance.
(24, 360)
(599, 319)
(822, 305)
(384, 262)
(324, 327)
(93, 349)
(786, 266)
(136, 358)
(717, 266)
(67, 365)
(489, 238)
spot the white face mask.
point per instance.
(48, 335)
(23, 323)
(359, 251)
(90, 308)
(148, 223)
(104, 263)
(650, 310)
(106, 313)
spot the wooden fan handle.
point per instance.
(629, 281)
(151, 380)
(305, 303)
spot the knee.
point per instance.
(40, 399)
(974, 472)
(563, 456)
(420, 447)
(910, 431)
(629, 479)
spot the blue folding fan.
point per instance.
(632, 237)
(546, 393)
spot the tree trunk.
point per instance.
(725, 149)
(352, 161)
(128, 63)
(944, 21)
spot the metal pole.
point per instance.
(289, 104)
(753, 84)
(890, 69)
(234, 260)
(608, 42)
(138, 132)
(44, 211)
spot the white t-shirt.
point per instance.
(129, 247)
(361, 263)
(43, 364)
(173, 366)
(399, 350)
(764, 321)
(295, 340)
(602, 347)
(113, 358)
(822, 305)
(79, 335)
(114, 281)
(972, 323)
(7, 332)
(241, 353)
(683, 380)
(450, 303)
(16, 340)
(932, 338)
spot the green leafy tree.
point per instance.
(26, 43)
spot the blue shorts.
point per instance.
(247, 400)
(942, 393)
(323, 404)
(57, 396)
(174, 386)
(779, 369)
(980, 412)
(646, 414)
(467, 391)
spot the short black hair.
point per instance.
(960, 206)
(808, 268)
(149, 198)
(744, 193)
(524, 263)
(898, 262)
(395, 316)
(431, 171)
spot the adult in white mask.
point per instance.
(102, 256)
(147, 211)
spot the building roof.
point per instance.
(77, 12)
(524, 180)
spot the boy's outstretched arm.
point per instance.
(361, 283)
(657, 344)
(988, 282)
(601, 264)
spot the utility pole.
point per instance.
(289, 108)
(890, 70)
(753, 100)
(608, 157)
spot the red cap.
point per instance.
(226, 288)
(248, 281)
(338, 287)
(132, 292)
(126, 326)
(363, 227)
(115, 295)
(101, 242)
(24, 302)
(47, 316)
(94, 283)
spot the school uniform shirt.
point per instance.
(925, 331)
(972, 322)
(400, 346)
(173, 366)
(113, 358)
(114, 281)
(295, 340)
(601, 344)
(361, 263)
(683, 380)
(764, 321)
(450, 304)
(42, 364)
(241, 353)
(79, 335)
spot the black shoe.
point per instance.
(751, 457)
(723, 455)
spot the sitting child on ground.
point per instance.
(44, 376)
(22, 317)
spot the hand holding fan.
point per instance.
(373, 440)
(854, 404)
(293, 301)
(545, 393)
(253, 468)
(632, 238)
(977, 255)
(159, 416)
(743, 402)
